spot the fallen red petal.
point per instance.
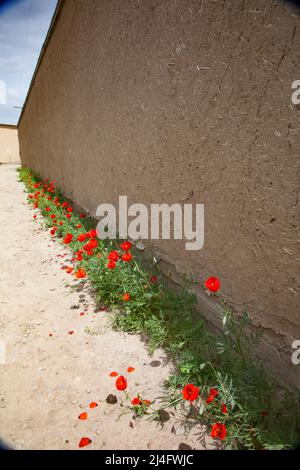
(84, 441)
(121, 383)
(93, 404)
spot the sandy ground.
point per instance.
(47, 381)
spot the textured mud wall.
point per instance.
(9, 144)
(184, 101)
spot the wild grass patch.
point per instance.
(217, 380)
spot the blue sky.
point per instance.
(23, 28)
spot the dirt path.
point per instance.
(47, 381)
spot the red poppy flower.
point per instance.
(78, 226)
(84, 441)
(64, 204)
(70, 209)
(190, 392)
(130, 369)
(90, 245)
(127, 256)
(81, 314)
(147, 402)
(83, 416)
(126, 297)
(52, 231)
(80, 273)
(212, 394)
(92, 233)
(125, 246)
(153, 279)
(81, 237)
(111, 264)
(121, 383)
(52, 216)
(212, 284)
(82, 216)
(224, 409)
(48, 209)
(68, 238)
(136, 401)
(113, 256)
(113, 374)
(218, 431)
(93, 404)
(68, 216)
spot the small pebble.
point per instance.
(111, 399)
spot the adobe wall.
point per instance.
(184, 101)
